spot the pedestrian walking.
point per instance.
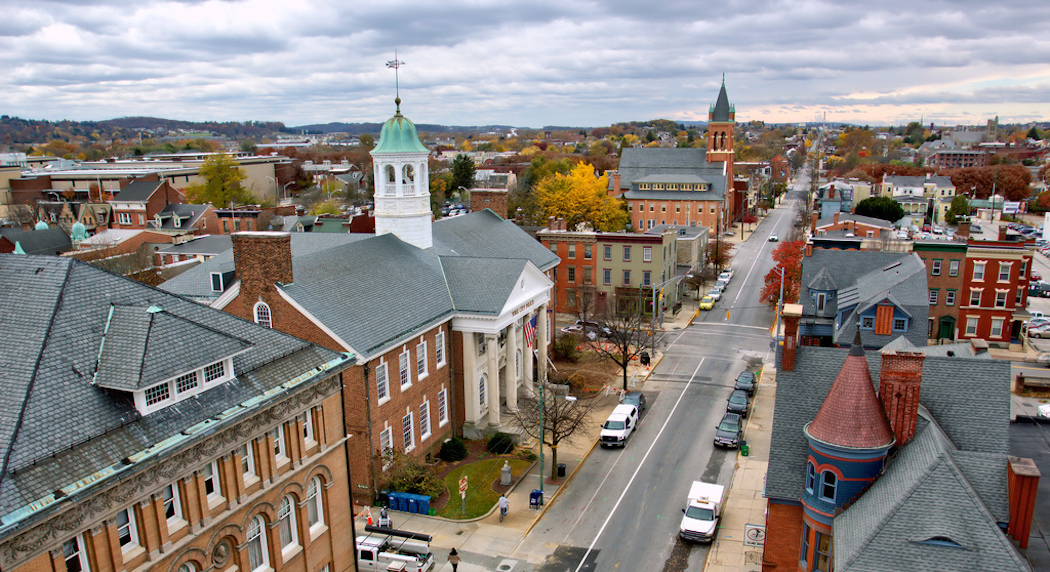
(453, 559)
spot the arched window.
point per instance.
(314, 510)
(828, 484)
(390, 175)
(258, 558)
(481, 388)
(408, 174)
(188, 567)
(262, 314)
(811, 476)
(286, 523)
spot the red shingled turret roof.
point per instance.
(852, 415)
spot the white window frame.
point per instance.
(627, 254)
(287, 532)
(442, 408)
(382, 383)
(482, 395)
(280, 448)
(949, 298)
(422, 367)
(647, 254)
(935, 268)
(971, 325)
(247, 461)
(408, 431)
(386, 445)
(211, 479)
(1000, 298)
(124, 218)
(175, 502)
(424, 420)
(314, 506)
(440, 357)
(256, 536)
(953, 268)
(997, 328)
(79, 551)
(263, 315)
(1004, 268)
(934, 296)
(130, 526)
(307, 419)
(404, 373)
(978, 270)
(978, 292)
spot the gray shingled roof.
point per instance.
(483, 234)
(721, 110)
(914, 181)
(187, 214)
(637, 163)
(973, 409)
(138, 191)
(926, 494)
(208, 244)
(844, 217)
(69, 428)
(481, 285)
(51, 241)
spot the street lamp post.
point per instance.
(780, 306)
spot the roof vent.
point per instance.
(891, 266)
(154, 309)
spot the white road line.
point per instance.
(639, 468)
(752, 269)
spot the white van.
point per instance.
(619, 426)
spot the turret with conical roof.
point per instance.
(402, 182)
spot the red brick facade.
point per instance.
(996, 276)
(493, 199)
(783, 545)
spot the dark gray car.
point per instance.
(635, 398)
(746, 381)
(738, 403)
(728, 431)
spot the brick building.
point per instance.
(435, 312)
(893, 458)
(944, 276)
(995, 289)
(227, 455)
(492, 199)
(140, 202)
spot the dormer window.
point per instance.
(157, 220)
(217, 282)
(183, 386)
(177, 221)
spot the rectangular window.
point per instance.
(822, 300)
(997, 328)
(406, 430)
(975, 297)
(971, 326)
(572, 251)
(900, 325)
(210, 475)
(247, 460)
(823, 560)
(933, 296)
(75, 555)
(1019, 298)
(424, 421)
(587, 275)
(949, 298)
(571, 277)
(482, 343)
(607, 276)
(570, 297)
(607, 254)
(172, 503)
(626, 277)
(627, 254)
(1000, 299)
(381, 383)
(214, 371)
(157, 394)
(306, 418)
(216, 282)
(439, 349)
(186, 382)
(867, 323)
(421, 360)
(124, 218)
(646, 278)
(127, 534)
(935, 269)
(647, 254)
(978, 271)
(953, 268)
(1004, 271)
(586, 252)
(402, 367)
(1024, 269)
(386, 443)
(278, 443)
(442, 407)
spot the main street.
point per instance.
(623, 507)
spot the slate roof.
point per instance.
(720, 112)
(926, 494)
(51, 241)
(973, 410)
(480, 285)
(56, 427)
(187, 214)
(637, 163)
(138, 191)
(851, 415)
(208, 244)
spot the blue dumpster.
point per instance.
(413, 503)
(536, 499)
(397, 501)
(424, 504)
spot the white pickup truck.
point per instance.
(619, 426)
(385, 549)
(702, 510)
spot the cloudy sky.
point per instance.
(527, 63)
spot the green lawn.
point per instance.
(480, 496)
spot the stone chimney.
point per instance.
(1022, 481)
(792, 313)
(899, 384)
(261, 259)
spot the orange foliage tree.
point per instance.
(788, 258)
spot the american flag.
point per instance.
(530, 333)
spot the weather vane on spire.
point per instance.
(396, 64)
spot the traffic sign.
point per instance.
(463, 485)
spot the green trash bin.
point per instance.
(744, 449)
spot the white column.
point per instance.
(512, 366)
(526, 357)
(493, 354)
(541, 341)
(472, 405)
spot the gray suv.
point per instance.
(728, 431)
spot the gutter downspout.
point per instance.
(371, 435)
(346, 452)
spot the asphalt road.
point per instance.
(624, 506)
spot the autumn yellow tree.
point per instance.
(222, 186)
(581, 197)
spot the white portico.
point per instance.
(497, 361)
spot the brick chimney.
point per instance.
(809, 249)
(978, 345)
(260, 259)
(551, 223)
(1002, 233)
(963, 230)
(835, 217)
(792, 313)
(1022, 481)
(899, 384)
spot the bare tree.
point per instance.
(562, 418)
(628, 331)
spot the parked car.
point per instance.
(1043, 359)
(580, 331)
(975, 228)
(715, 294)
(1036, 276)
(1037, 321)
(726, 275)
(1040, 289)
(728, 431)
(707, 303)
(1039, 331)
(635, 398)
(738, 403)
(597, 327)
(618, 427)
(773, 237)
(746, 382)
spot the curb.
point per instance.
(513, 488)
(560, 488)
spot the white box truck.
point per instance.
(703, 508)
(386, 549)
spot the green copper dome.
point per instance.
(79, 232)
(41, 225)
(399, 135)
